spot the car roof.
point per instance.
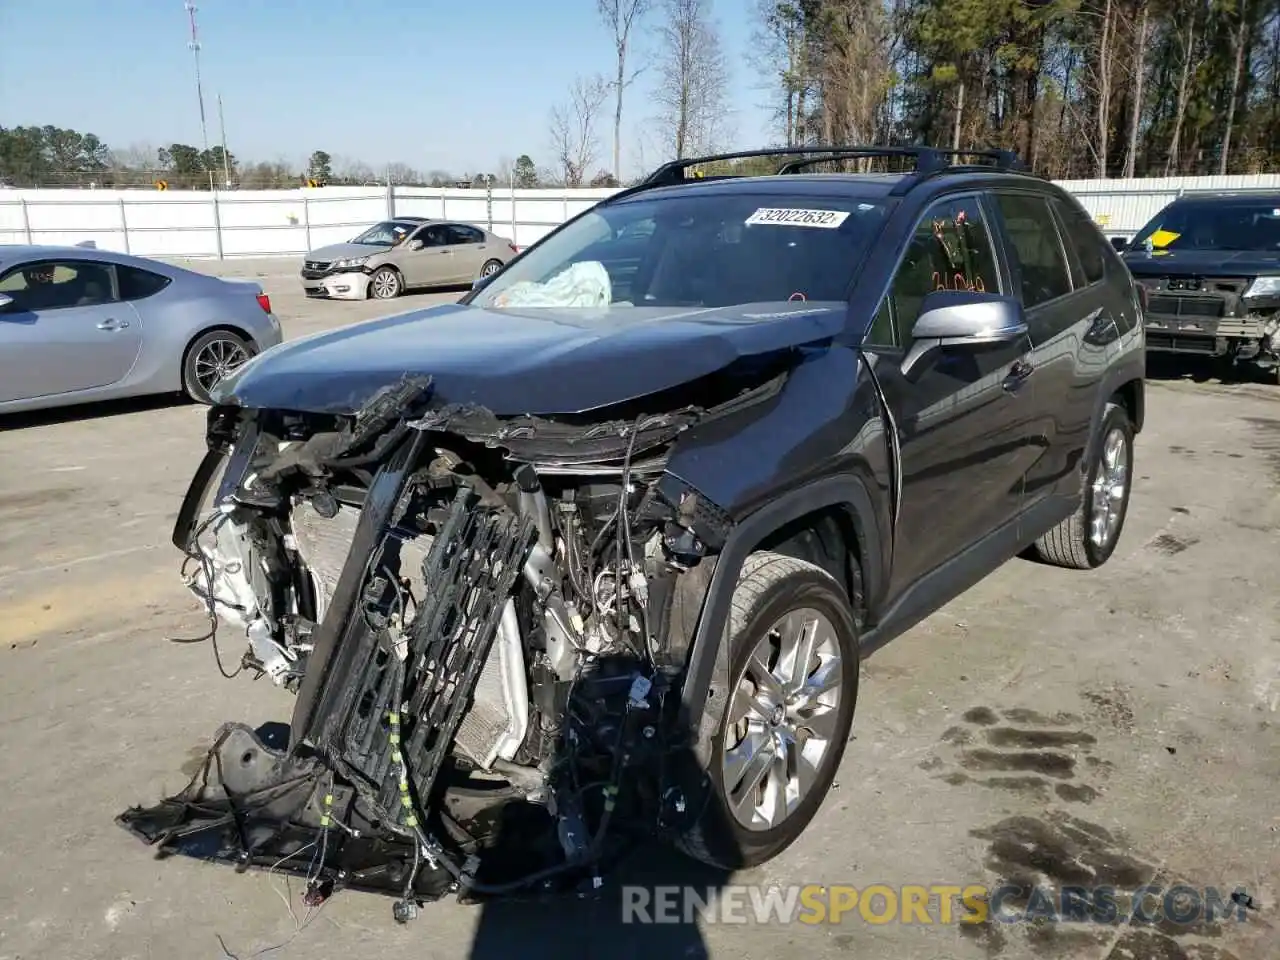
(871, 186)
(1219, 197)
(17, 252)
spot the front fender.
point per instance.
(705, 693)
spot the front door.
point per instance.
(965, 423)
(429, 264)
(65, 330)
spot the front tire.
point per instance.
(1088, 537)
(210, 359)
(386, 284)
(794, 660)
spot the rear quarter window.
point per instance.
(1086, 238)
(138, 284)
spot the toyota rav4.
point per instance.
(596, 552)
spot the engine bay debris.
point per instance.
(483, 623)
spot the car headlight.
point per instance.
(352, 262)
(1263, 287)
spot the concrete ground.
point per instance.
(1116, 727)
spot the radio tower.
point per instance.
(194, 44)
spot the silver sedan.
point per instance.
(80, 324)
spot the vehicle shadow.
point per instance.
(1166, 366)
(98, 410)
(649, 898)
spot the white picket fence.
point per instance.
(263, 223)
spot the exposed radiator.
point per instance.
(496, 723)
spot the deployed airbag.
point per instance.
(584, 284)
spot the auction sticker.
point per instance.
(783, 216)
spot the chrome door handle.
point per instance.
(1017, 375)
(113, 324)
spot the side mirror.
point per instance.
(416, 244)
(1119, 244)
(481, 282)
(958, 318)
(5, 301)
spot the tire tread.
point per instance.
(1065, 545)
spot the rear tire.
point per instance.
(743, 825)
(490, 268)
(386, 284)
(1088, 537)
(210, 359)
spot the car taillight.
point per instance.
(514, 248)
(264, 302)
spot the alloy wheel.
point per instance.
(217, 360)
(782, 719)
(1109, 486)
(386, 284)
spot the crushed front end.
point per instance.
(1235, 319)
(483, 622)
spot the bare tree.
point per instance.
(621, 17)
(573, 128)
(776, 54)
(351, 170)
(1241, 42)
(1180, 111)
(694, 77)
(1139, 75)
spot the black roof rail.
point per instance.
(673, 172)
(924, 157)
(929, 161)
(1006, 161)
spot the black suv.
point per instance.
(1210, 267)
(598, 549)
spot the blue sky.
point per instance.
(432, 84)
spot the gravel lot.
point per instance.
(1069, 727)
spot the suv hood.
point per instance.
(513, 362)
(1241, 263)
(340, 251)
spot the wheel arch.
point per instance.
(835, 512)
(240, 332)
(368, 287)
(1126, 386)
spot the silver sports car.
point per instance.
(80, 324)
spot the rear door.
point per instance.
(470, 251)
(965, 425)
(70, 335)
(1061, 281)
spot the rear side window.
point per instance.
(460, 233)
(1085, 237)
(1043, 273)
(138, 284)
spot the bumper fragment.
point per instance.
(337, 286)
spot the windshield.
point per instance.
(385, 234)
(695, 251)
(1213, 225)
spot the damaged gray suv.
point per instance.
(593, 555)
